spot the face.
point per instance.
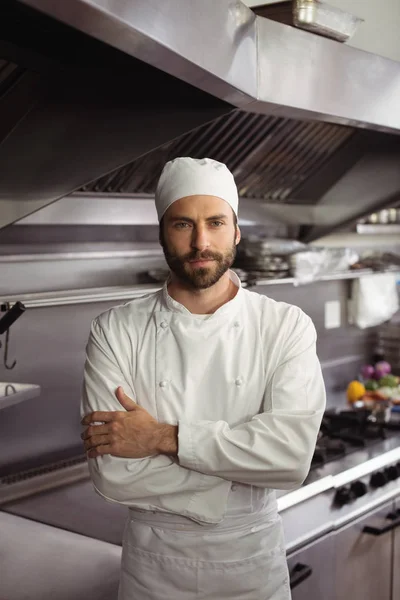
(199, 237)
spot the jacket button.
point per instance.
(236, 324)
(164, 324)
(234, 487)
(163, 383)
(238, 381)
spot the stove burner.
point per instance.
(327, 449)
(344, 432)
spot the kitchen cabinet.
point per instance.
(396, 557)
(312, 572)
(364, 557)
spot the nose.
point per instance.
(200, 240)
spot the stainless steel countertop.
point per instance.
(13, 393)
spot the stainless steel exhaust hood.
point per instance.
(251, 62)
(312, 174)
(73, 109)
(104, 91)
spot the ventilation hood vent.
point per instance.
(313, 174)
(270, 157)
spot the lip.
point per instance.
(200, 262)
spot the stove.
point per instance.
(347, 431)
(355, 468)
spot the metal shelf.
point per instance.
(332, 277)
(81, 255)
(81, 296)
(378, 229)
(110, 294)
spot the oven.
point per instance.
(358, 561)
(343, 526)
(364, 556)
(311, 570)
(396, 556)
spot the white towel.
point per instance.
(374, 299)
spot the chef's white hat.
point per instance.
(186, 176)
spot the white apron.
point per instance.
(168, 557)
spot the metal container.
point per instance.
(325, 20)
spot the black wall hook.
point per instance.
(5, 362)
(6, 321)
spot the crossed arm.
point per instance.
(133, 433)
(137, 461)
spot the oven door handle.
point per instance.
(298, 574)
(394, 517)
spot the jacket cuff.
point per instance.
(186, 447)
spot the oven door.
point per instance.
(312, 571)
(396, 557)
(364, 556)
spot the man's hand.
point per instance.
(131, 434)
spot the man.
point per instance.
(210, 397)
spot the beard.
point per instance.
(199, 278)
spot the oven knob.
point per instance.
(391, 473)
(358, 489)
(378, 479)
(343, 496)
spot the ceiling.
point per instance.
(379, 33)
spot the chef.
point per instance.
(199, 401)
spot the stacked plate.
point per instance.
(266, 258)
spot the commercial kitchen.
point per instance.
(301, 101)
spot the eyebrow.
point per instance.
(188, 220)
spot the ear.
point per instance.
(238, 235)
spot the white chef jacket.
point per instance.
(243, 384)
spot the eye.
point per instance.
(182, 225)
(217, 223)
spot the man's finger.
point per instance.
(96, 440)
(98, 415)
(99, 451)
(95, 430)
(126, 402)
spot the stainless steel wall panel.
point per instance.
(49, 345)
(44, 275)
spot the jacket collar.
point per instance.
(225, 309)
